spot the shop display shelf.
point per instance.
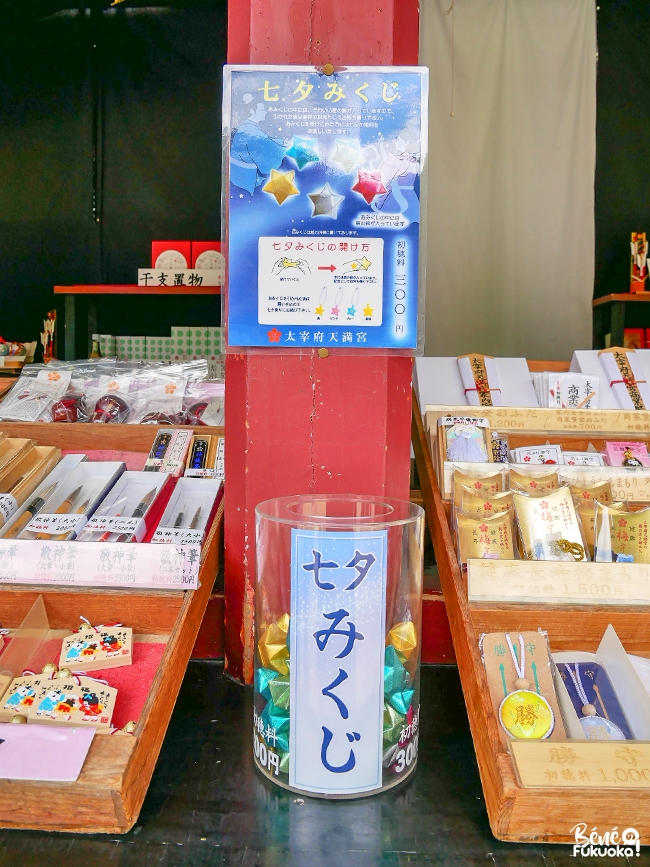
(108, 795)
(517, 813)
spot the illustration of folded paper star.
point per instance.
(403, 638)
(369, 185)
(272, 646)
(347, 154)
(280, 690)
(253, 154)
(281, 186)
(302, 151)
(262, 678)
(325, 203)
(393, 724)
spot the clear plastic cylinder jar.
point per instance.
(338, 618)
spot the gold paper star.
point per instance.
(367, 311)
(320, 310)
(272, 646)
(281, 185)
(403, 638)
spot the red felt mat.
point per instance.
(132, 682)
(133, 460)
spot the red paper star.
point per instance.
(274, 335)
(369, 185)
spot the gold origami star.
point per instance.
(272, 646)
(281, 186)
(364, 263)
(367, 311)
(403, 638)
(320, 310)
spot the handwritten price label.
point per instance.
(56, 524)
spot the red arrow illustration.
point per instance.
(329, 268)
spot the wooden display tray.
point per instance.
(111, 788)
(543, 814)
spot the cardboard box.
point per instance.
(108, 345)
(131, 348)
(158, 348)
(171, 254)
(634, 338)
(206, 254)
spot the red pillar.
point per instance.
(305, 424)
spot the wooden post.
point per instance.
(306, 424)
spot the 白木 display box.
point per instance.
(108, 795)
(541, 791)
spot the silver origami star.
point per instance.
(325, 202)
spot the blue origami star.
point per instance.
(302, 151)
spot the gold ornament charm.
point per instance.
(63, 673)
(272, 646)
(130, 727)
(18, 718)
(49, 668)
(403, 638)
(573, 548)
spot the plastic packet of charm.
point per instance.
(465, 439)
(169, 451)
(97, 648)
(520, 679)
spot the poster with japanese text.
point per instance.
(337, 637)
(322, 190)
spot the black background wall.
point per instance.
(622, 140)
(110, 136)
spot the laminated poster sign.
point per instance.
(337, 638)
(322, 194)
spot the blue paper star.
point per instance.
(352, 310)
(302, 151)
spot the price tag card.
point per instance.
(121, 526)
(74, 702)
(167, 535)
(56, 525)
(582, 764)
(100, 564)
(558, 582)
(90, 650)
(8, 506)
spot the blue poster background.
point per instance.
(352, 141)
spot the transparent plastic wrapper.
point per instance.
(478, 505)
(111, 400)
(621, 536)
(587, 515)
(548, 526)
(482, 481)
(602, 491)
(158, 398)
(485, 538)
(533, 480)
(33, 396)
(204, 403)
(338, 636)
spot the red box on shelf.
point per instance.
(634, 338)
(170, 254)
(205, 250)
